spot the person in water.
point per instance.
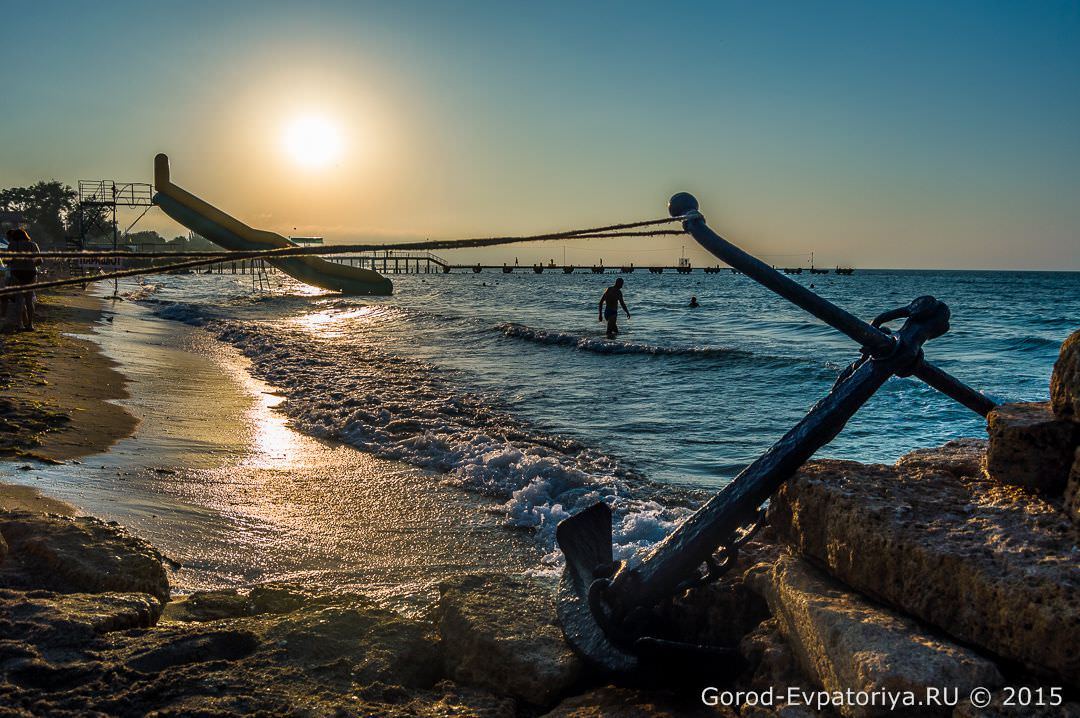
(612, 299)
(694, 303)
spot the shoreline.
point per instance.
(213, 475)
(62, 388)
(312, 554)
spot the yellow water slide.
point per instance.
(230, 233)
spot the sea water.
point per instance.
(506, 384)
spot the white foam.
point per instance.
(396, 407)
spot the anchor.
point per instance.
(604, 605)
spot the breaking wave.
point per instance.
(347, 389)
(602, 345)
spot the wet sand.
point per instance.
(217, 480)
(59, 389)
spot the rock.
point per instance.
(617, 702)
(203, 647)
(1065, 381)
(276, 598)
(991, 565)
(78, 555)
(50, 620)
(846, 643)
(1030, 447)
(363, 643)
(3, 548)
(208, 606)
(770, 659)
(500, 632)
(959, 457)
(1072, 490)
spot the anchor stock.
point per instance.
(603, 605)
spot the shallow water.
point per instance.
(506, 383)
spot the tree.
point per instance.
(48, 207)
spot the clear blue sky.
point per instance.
(913, 134)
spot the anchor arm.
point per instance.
(877, 342)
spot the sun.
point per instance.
(312, 141)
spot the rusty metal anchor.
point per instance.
(604, 605)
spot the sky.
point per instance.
(906, 134)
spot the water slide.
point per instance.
(230, 233)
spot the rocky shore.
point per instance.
(955, 568)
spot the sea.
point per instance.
(505, 384)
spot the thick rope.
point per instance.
(330, 249)
(286, 252)
(609, 231)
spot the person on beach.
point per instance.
(693, 303)
(3, 283)
(612, 298)
(23, 271)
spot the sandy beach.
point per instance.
(60, 389)
(197, 462)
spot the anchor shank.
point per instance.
(683, 551)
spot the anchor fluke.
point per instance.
(585, 540)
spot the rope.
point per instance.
(320, 250)
(605, 232)
(208, 258)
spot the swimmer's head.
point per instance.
(618, 283)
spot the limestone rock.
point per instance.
(1072, 490)
(208, 606)
(959, 457)
(617, 702)
(500, 632)
(1065, 381)
(50, 620)
(769, 657)
(78, 555)
(1030, 447)
(847, 643)
(367, 644)
(276, 598)
(992, 565)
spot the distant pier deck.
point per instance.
(398, 262)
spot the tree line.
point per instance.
(50, 213)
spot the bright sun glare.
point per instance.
(312, 141)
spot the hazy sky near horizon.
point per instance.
(914, 134)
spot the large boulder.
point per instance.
(991, 565)
(501, 632)
(847, 643)
(78, 555)
(1065, 381)
(1030, 447)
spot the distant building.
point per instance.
(307, 241)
